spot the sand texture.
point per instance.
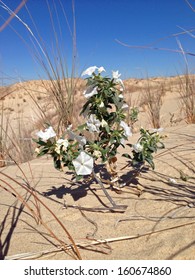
(159, 220)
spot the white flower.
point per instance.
(172, 181)
(158, 129)
(47, 134)
(93, 123)
(127, 129)
(90, 91)
(137, 147)
(80, 139)
(89, 71)
(125, 106)
(115, 74)
(62, 143)
(83, 164)
(121, 96)
(101, 69)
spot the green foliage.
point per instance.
(133, 114)
(149, 143)
(105, 113)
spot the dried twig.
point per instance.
(95, 242)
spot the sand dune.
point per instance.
(159, 220)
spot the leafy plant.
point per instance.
(105, 113)
(147, 144)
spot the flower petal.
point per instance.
(47, 134)
(89, 71)
(83, 164)
(115, 74)
(90, 91)
(101, 69)
(93, 123)
(137, 147)
(127, 129)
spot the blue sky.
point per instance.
(98, 25)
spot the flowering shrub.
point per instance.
(105, 113)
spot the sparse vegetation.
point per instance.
(99, 158)
(187, 97)
(152, 98)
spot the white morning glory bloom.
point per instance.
(90, 91)
(115, 74)
(125, 106)
(61, 143)
(80, 139)
(93, 123)
(47, 134)
(89, 71)
(137, 147)
(101, 69)
(83, 164)
(127, 129)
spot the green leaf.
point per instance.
(161, 145)
(150, 161)
(130, 145)
(43, 152)
(153, 149)
(35, 140)
(85, 106)
(81, 127)
(41, 142)
(78, 177)
(126, 156)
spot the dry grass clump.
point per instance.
(187, 96)
(152, 100)
(63, 103)
(17, 144)
(27, 107)
(32, 205)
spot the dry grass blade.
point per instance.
(153, 99)
(97, 242)
(187, 97)
(46, 207)
(153, 48)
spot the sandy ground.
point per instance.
(158, 224)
